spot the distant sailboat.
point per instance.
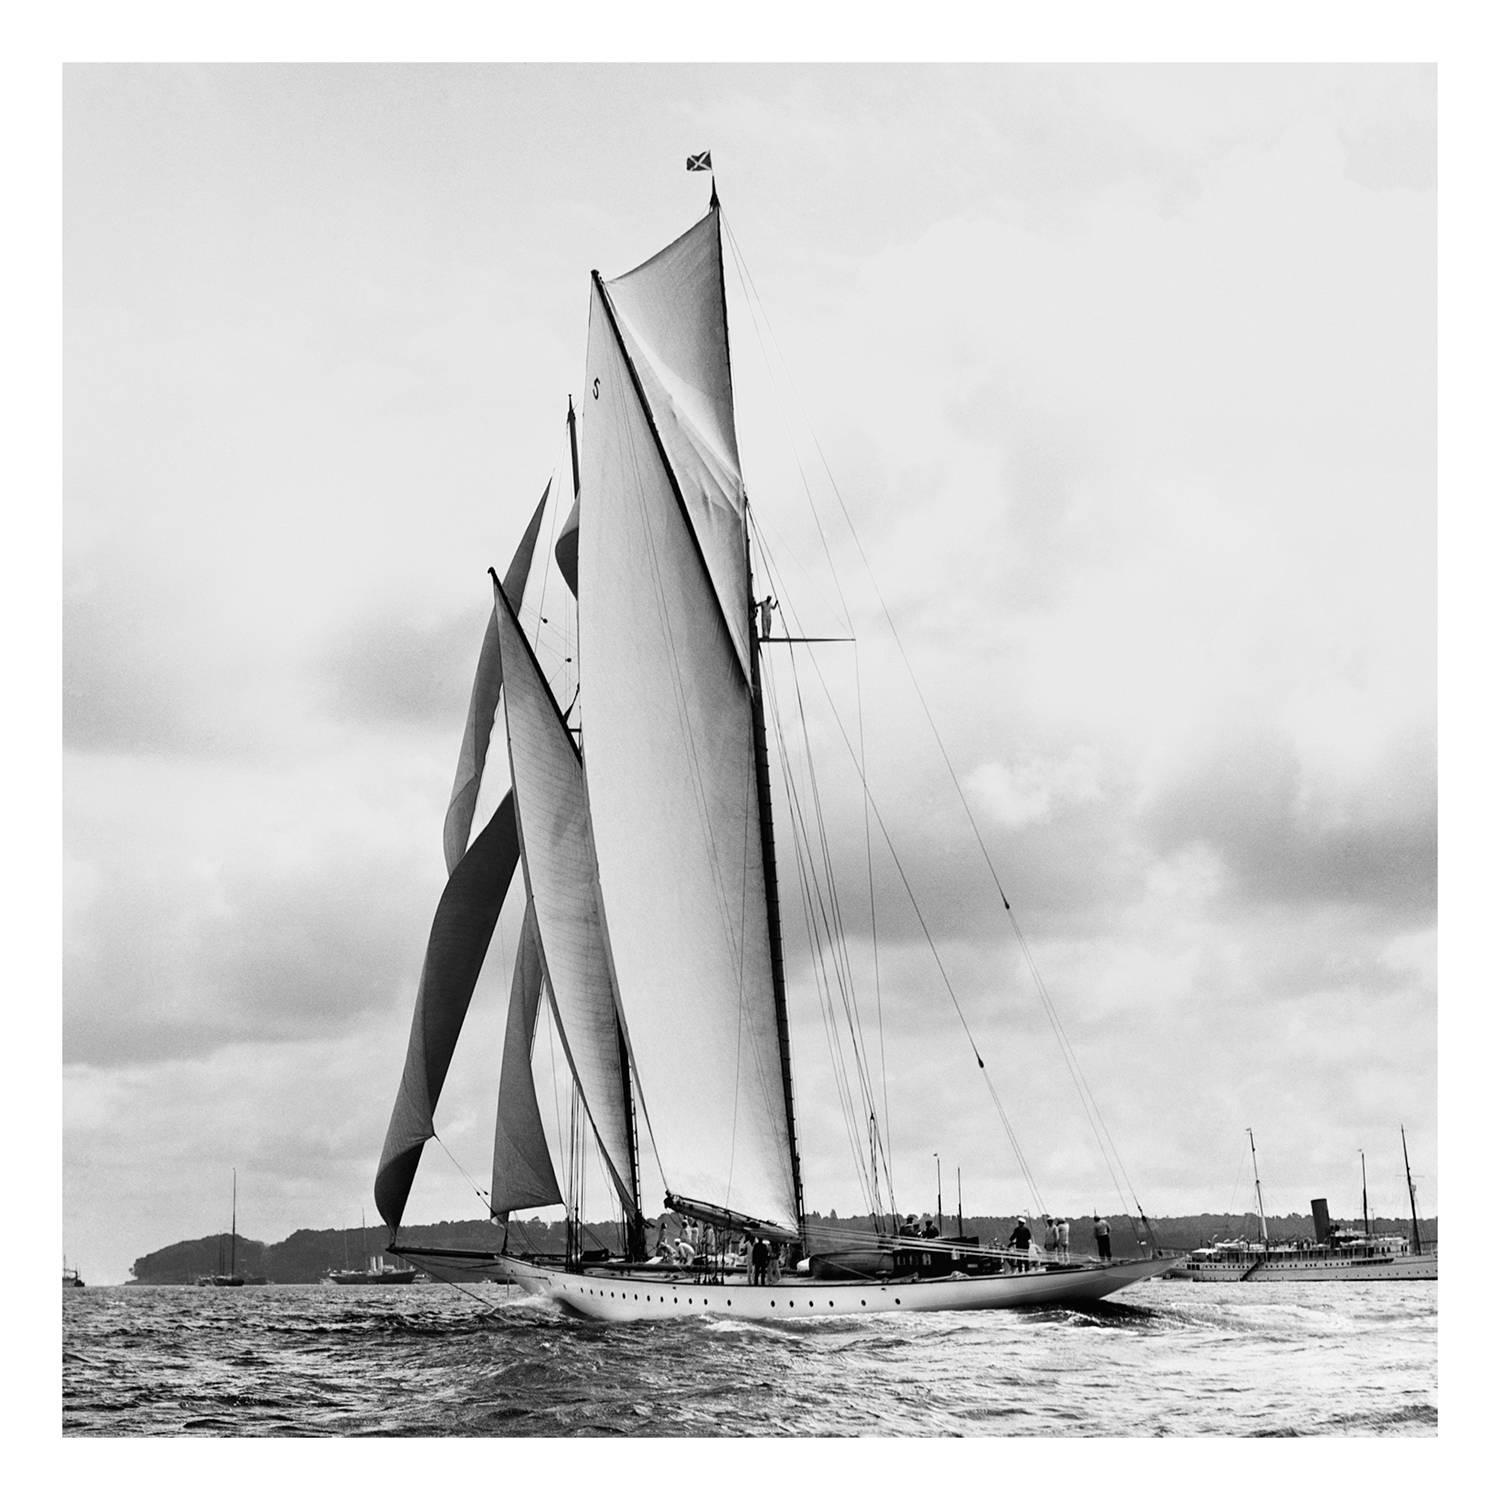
(231, 1277)
(652, 915)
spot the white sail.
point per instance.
(523, 1175)
(483, 700)
(668, 756)
(671, 315)
(557, 856)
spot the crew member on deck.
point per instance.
(760, 1253)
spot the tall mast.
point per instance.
(1265, 1236)
(763, 792)
(1364, 1194)
(773, 904)
(234, 1198)
(1411, 1193)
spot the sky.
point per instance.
(1127, 377)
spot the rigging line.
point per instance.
(838, 941)
(491, 1309)
(931, 943)
(885, 1089)
(1092, 1113)
(819, 951)
(478, 1191)
(758, 322)
(1091, 1108)
(837, 957)
(847, 966)
(834, 922)
(1095, 1118)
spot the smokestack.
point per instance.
(1321, 1225)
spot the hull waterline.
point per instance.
(616, 1297)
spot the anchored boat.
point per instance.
(1335, 1252)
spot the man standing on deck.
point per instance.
(760, 1253)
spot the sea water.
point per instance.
(1166, 1358)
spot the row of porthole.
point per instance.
(728, 1301)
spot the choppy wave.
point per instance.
(1172, 1359)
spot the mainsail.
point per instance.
(669, 743)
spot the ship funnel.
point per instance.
(1321, 1225)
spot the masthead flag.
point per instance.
(702, 162)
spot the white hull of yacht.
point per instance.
(621, 1297)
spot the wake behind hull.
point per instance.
(617, 1297)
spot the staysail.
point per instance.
(664, 641)
(557, 852)
(523, 1175)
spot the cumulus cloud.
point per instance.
(1026, 791)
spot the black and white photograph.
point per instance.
(749, 749)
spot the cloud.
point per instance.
(1128, 378)
(1284, 837)
(1026, 791)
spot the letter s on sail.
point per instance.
(596, 388)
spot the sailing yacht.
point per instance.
(640, 816)
(233, 1276)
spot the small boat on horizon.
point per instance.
(379, 1272)
(71, 1278)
